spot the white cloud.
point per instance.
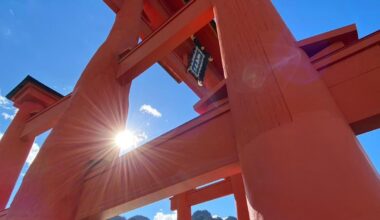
(162, 216)
(130, 140)
(68, 88)
(7, 107)
(141, 136)
(3, 101)
(1, 135)
(150, 110)
(8, 116)
(32, 154)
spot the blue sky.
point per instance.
(54, 40)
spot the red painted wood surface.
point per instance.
(30, 100)
(277, 120)
(299, 158)
(98, 108)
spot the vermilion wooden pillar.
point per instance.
(240, 198)
(30, 97)
(299, 158)
(84, 134)
(184, 208)
(14, 150)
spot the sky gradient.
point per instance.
(54, 40)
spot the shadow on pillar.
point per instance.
(30, 97)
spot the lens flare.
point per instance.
(126, 141)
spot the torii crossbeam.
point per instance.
(281, 113)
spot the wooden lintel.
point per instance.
(207, 193)
(217, 93)
(174, 65)
(348, 51)
(157, 13)
(327, 51)
(187, 157)
(182, 25)
(354, 86)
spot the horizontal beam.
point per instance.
(157, 14)
(366, 125)
(162, 41)
(348, 51)
(352, 75)
(176, 162)
(327, 51)
(340, 82)
(358, 99)
(46, 119)
(174, 64)
(347, 33)
(207, 193)
(208, 102)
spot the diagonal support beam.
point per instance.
(171, 34)
(174, 65)
(46, 119)
(366, 84)
(176, 162)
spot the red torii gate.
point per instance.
(280, 112)
(230, 185)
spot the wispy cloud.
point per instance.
(130, 140)
(218, 217)
(32, 154)
(141, 136)
(162, 216)
(148, 109)
(67, 89)
(6, 105)
(8, 116)
(3, 101)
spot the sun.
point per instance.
(126, 141)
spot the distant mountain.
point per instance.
(138, 217)
(206, 215)
(117, 218)
(198, 215)
(202, 215)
